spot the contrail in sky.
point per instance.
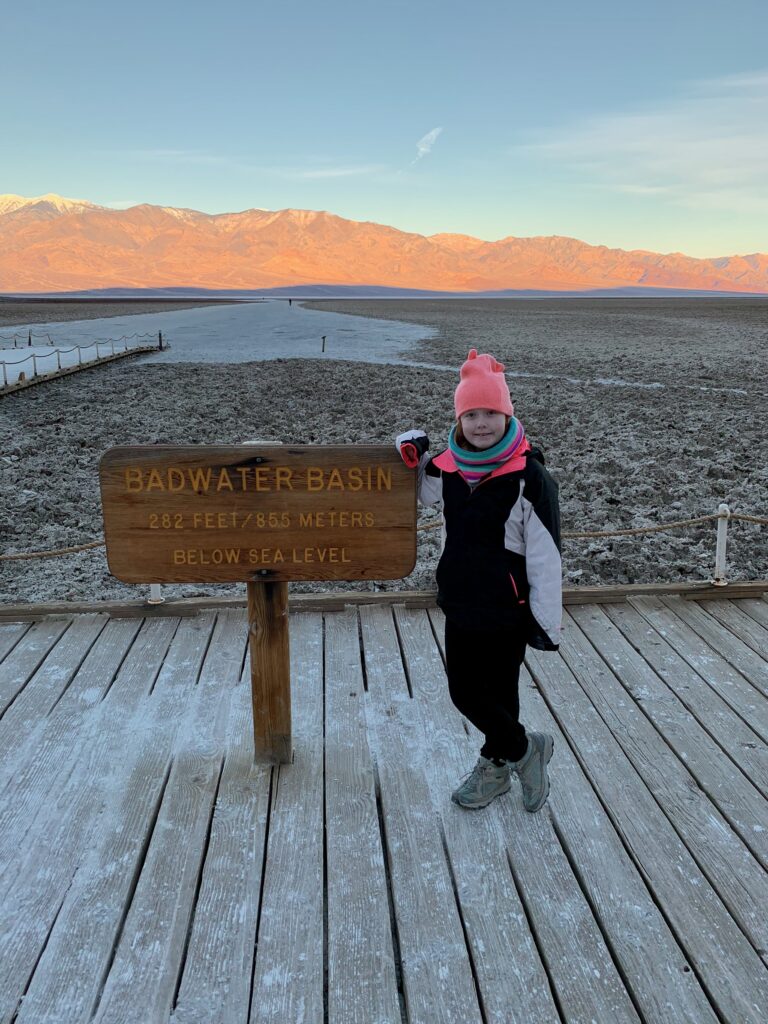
(424, 145)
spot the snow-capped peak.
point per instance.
(11, 202)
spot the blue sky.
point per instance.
(637, 126)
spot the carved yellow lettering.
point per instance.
(179, 556)
(355, 478)
(314, 478)
(176, 480)
(200, 478)
(344, 556)
(225, 483)
(305, 519)
(335, 481)
(261, 475)
(383, 479)
(278, 556)
(155, 481)
(370, 519)
(357, 519)
(134, 481)
(284, 476)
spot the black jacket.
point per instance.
(500, 567)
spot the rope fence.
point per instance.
(722, 516)
(29, 337)
(634, 531)
(57, 353)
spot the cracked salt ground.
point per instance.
(624, 457)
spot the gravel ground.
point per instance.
(21, 311)
(625, 454)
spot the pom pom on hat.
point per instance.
(482, 386)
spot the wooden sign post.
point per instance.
(263, 516)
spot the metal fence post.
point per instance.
(724, 514)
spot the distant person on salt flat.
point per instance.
(499, 579)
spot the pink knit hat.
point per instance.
(482, 386)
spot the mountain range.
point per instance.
(51, 244)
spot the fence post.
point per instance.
(155, 597)
(5, 377)
(79, 356)
(29, 339)
(34, 365)
(724, 514)
(160, 340)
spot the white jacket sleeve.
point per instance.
(541, 533)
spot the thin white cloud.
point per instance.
(425, 144)
(336, 172)
(704, 149)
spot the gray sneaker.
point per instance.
(485, 782)
(532, 770)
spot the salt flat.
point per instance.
(625, 454)
(246, 332)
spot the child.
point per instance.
(499, 575)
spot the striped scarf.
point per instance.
(473, 466)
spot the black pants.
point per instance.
(483, 673)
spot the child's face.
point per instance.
(483, 428)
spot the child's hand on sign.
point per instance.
(412, 445)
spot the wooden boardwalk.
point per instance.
(151, 872)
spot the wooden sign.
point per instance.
(219, 514)
(262, 515)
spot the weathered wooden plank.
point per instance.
(714, 669)
(737, 799)
(10, 634)
(620, 592)
(733, 616)
(507, 962)
(216, 983)
(756, 609)
(288, 976)
(739, 654)
(732, 870)
(653, 967)
(725, 961)
(56, 846)
(362, 982)
(27, 713)
(27, 813)
(745, 748)
(26, 657)
(143, 977)
(337, 600)
(44, 756)
(437, 975)
(143, 803)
